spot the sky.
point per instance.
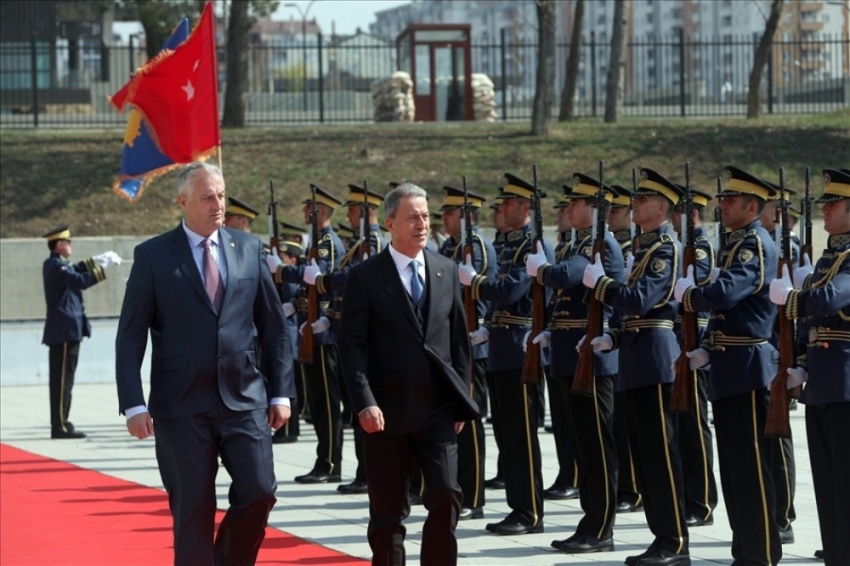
(348, 15)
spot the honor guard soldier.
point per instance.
(648, 349)
(696, 441)
(239, 215)
(471, 438)
(620, 224)
(821, 299)
(517, 403)
(334, 283)
(323, 385)
(590, 417)
(737, 345)
(66, 323)
(291, 232)
(295, 234)
(771, 220)
(345, 234)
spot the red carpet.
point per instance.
(55, 513)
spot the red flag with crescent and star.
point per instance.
(177, 92)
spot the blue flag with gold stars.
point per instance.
(141, 160)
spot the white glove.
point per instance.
(781, 287)
(288, 310)
(466, 271)
(697, 358)
(602, 343)
(684, 283)
(535, 260)
(273, 262)
(593, 272)
(311, 272)
(322, 323)
(544, 339)
(107, 259)
(715, 273)
(479, 336)
(630, 262)
(800, 273)
(525, 341)
(796, 376)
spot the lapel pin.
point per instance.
(439, 274)
(232, 244)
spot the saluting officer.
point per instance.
(590, 416)
(518, 403)
(334, 283)
(696, 441)
(470, 441)
(323, 385)
(737, 344)
(648, 349)
(823, 303)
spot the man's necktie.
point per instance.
(415, 283)
(212, 278)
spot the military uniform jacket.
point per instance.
(825, 300)
(485, 264)
(510, 294)
(64, 283)
(741, 321)
(568, 320)
(330, 255)
(705, 262)
(645, 338)
(624, 240)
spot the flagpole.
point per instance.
(218, 152)
(214, 61)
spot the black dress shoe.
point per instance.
(585, 543)
(819, 554)
(357, 486)
(494, 483)
(491, 527)
(415, 499)
(70, 433)
(664, 557)
(517, 527)
(633, 560)
(786, 536)
(556, 493)
(470, 513)
(627, 507)
(694, 521)
(315, 476)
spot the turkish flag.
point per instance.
(177, 92)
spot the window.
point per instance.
(650, 53)
(677, 13)
(649, 18)
(727, 59)
(726, 21)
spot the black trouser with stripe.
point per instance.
(655, 451)
(470, 446)
(627, 489)
(568, 470)
(519, 408)
(592, 427)
(748, 491)
(63, 365)
(323, 395)
(696, 447)
(784, 473)
(829, 452)
(496, 420)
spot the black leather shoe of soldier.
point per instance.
(786, 536)
(518, 527)
(584, 544)
(70, 433)
(627, 507)
(316, 476)
(819, 554)
(468, 513)
(694, 521)
(491, 527)
(357, 486)
(665, 557)
(495, 483)
(557, 493)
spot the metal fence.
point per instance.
(49, 83)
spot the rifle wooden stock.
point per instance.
(305, 350)
(778, 418)
(583, 380)
(532, 367)
(682, 395)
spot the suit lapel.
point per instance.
(186, 261)
(389, 277)
(231, 256)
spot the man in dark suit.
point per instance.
(200, 290)
(406, 360)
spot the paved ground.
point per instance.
(322, 515)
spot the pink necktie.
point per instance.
(212, 278)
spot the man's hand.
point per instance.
(278, 415)
(288, 309)
(781, 287)
(535, 260)
(141, 425)
(107, 259)
(459, 427)
(630, 263)
(697, 358)
(371, 419)
(322, 323)
(273, 262)
(715, 273)
(544, 339)
(593, 272)
(803, 271)
(600, 343)
(466, 271)
(684, 283)
(479, 336)
(525, 338)
(796, 376)
(311, 272)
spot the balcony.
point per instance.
(811, 6)
(811, 26)
(812, 65)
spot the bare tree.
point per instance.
(616, 65)
(762, 54)
(544, 93)
(571, 82)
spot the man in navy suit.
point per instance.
(200, 290)
(406, 361)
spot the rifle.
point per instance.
(682, 395)
(778, 420)
(274, 228)
(721, 230)
(532, 367)
(470, 306)
(305, 351)
(806, 248)
(635, 228)
(584, 378)
(365, 247)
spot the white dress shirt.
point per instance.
(402, 263)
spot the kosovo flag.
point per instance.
(141, 160)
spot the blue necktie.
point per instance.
(415, 283)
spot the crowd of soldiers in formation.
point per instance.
(631, 270)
